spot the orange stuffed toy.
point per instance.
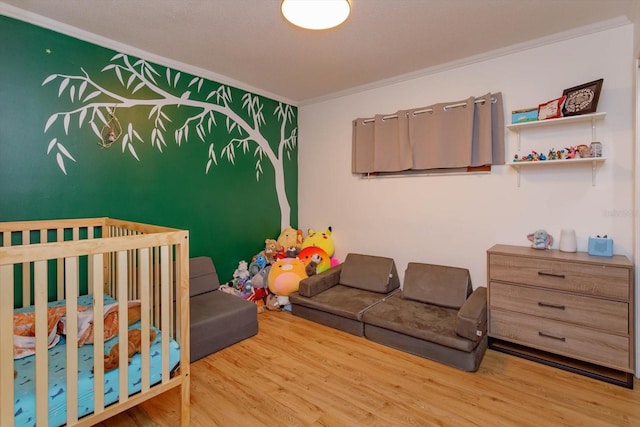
(134, 346)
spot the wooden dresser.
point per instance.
(570, 310)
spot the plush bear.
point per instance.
(271, 249)
(290, 237)
(540, 239)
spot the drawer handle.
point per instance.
(546, 304)
(546, 273)
(542, 334)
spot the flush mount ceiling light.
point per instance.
(316, 14)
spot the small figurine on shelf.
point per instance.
(516, 158)
(541, 156)
(572, 152)
(553, 154)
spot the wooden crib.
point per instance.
(95, 259)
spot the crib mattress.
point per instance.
(24, 383)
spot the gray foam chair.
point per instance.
(218, 319)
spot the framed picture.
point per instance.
(582, 99)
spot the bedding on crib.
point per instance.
(24, 384)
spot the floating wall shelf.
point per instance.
(594, 161)
(542, 163)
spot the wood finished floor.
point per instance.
(298, 373)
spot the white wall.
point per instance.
(453, 220)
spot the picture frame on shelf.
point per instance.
(582, 99)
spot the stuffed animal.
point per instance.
(285, 276)
(260, 280)
(322, 258)
(312, 267)
(271, 249)
(292, 252)
(290, 237)
(540, 239)
(134, 344)
(272, 303)
(322, 240)
(242, 272)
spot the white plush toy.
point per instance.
(540, 239)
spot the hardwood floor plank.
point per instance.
(298, 373)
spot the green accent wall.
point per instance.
(228, 212)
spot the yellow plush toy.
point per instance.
(322, 240)
(290, 238)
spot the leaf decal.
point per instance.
(51, 145)
(81, 117)
(95, 129)
(60, 161)
(138, 87)
(119, 74)
(100, 115)
(133, 151)
(83, 87)
(124, 141)
(176, 78)
(108, 67)
(63, 86)
(72, 93)
(48, 79)
(132, 77)
(91, 95)
(51, 120)
(67, 118)
(65, 152)
(137, 135)
(208, 166)
(193, 80)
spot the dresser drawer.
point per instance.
(586, 279)
(561, 338)
(606, 315)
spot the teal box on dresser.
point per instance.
(600, 246)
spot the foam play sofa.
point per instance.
(436, 315)
(338, 297)
(217, 319)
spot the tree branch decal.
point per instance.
(143, 86)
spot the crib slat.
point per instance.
(6, 343)
(143, 268)
(60, 277)
(98, 331)
(123, 363)
(71, 265)
(165, 304)
(42, 355)
(26, 273)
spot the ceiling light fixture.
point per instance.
(316, 14)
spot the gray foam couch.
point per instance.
(217, 319)
(436, 314)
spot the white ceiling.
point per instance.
(248, 41)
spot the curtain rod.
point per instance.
(429, 110)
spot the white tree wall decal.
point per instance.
(98, 102)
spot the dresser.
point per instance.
(570, 310)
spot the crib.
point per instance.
(67, 263)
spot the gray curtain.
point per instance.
(442, 136)
(362, 147)
(392, 148)
(452, 135)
